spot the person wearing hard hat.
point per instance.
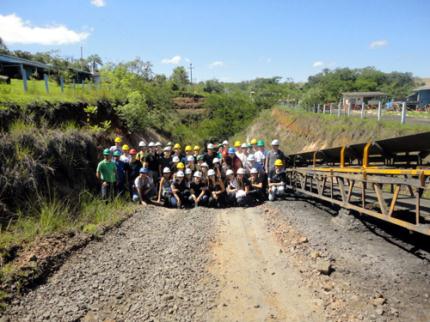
(133, 171)
(175, 161)
(273, 155)
(117, 145)
(242, 153)
(125, 156)
(164, 187)
(260, 155)
(196, 150)
(253, 145)
(217, 167)
(198, 190)
(151, 162)
(178, 189)
(191, 164)
(242, 188)
(210, 155)
(215, 190)
(256, 188)
(122, 169)
(106, 173)
(188, 150)
(142, 151)
(249, 164)
(232, 161)
(277, 180)
(179, 167)
(144, 187)
(165, 160)
(158, 150)
(236, 144)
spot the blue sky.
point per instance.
(229, 40)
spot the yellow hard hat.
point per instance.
(196, 148)
(125, 147)
(279, 163)
(254, 141)
(118, 139)
(237, 144)
(180, 165)
(188, 148)
(177, 146)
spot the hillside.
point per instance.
(301, 131)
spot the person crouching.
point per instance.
(277, 180)
(144, 187)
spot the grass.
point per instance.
(14, 92)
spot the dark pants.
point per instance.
(108, 190)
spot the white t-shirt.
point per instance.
(125, 158)
(259, 157)
(143, 183)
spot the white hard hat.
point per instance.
(275, 142)
(229, 172)
(166, 170)
(167, 149)
(188, 171)
(211, 172)
(142, 144)
(179, 174)
(251, 157)
(197, 174)
(244, 145)
(190, 158)
(151, 144)
(169, 143)
(210, 146)
(215, 160)
(204, 164)
(254, 171)
(241, 171)
(175, 159)
(225, 142)
(158, 144)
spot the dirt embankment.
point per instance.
(301, 131)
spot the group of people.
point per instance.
(221, 175)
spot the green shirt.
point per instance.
(107, 170)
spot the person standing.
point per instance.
(121, 173)
(273, 155)
(106, 173)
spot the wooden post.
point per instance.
(324, 109)
(338, 109)
(318, 108)
(349, 108)
(45, 78)
(362, 109)
(24, 77)
(379, 110)
(403, 118)
(331, 108)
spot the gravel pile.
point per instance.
(153, 268)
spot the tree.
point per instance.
(213, 86)
(135, 112)
(94, 61)
(179, 78)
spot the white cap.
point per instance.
(215, 160)
(179, 174)
(151, 144)
(241, 171)
(254, 171)
(197, 174)
(190, 158)
(229, 172)
(244, 145)
(275, 142)
(169, 143)
(158, 144)
(166, 170)
(175, 159)
(188, 171)
(210, 146)
(204, 164)
(211, 172)
(167, 149)
(142, 144)
(251, 157)
(225, 142)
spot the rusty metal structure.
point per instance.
(385, 179)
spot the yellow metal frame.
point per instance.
(373, 170)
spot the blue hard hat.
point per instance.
(231, 150)
(143, 170)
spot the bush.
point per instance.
(135, 113)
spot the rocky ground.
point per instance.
(283, 261)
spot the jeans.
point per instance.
(277, 191)
(108, 190)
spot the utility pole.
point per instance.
(82, 57)
(191, 73)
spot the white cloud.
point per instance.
(14, 30)
(98, 3)
(217, 63)
(172, 61)
(318, 64)
(378, 43)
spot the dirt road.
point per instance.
(285, 261)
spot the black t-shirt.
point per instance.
(152, 161)
(214, 186)
(209, 159)
(197, 188)
(242, 184)
(134, 169)
(277, 177)
(165, 162)
(258, 180)
(181, 186)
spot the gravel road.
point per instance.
(283, 261)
